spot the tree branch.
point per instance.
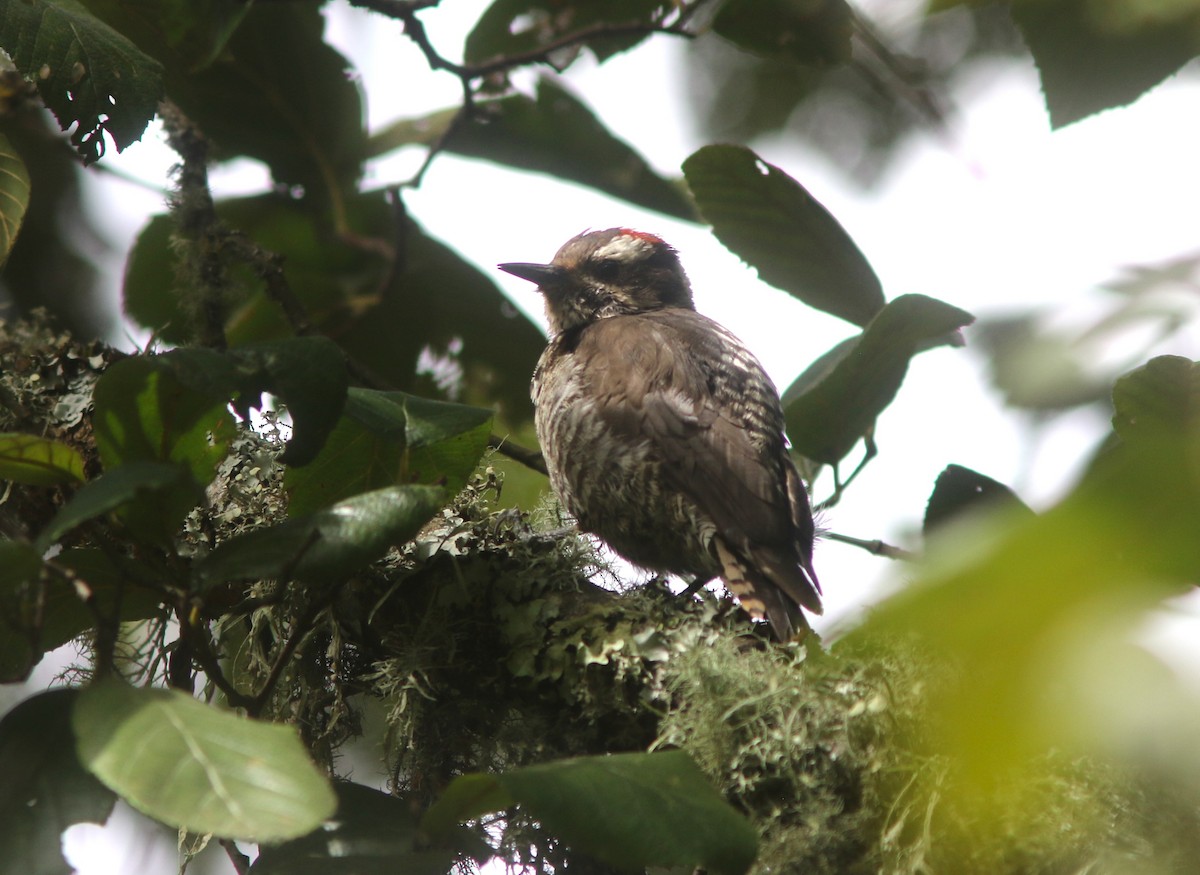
(875, 548)
(531, 459)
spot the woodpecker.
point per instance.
(662, 433)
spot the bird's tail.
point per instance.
(776, 596)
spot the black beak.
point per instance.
(545, 275)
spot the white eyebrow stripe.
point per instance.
(625, 247)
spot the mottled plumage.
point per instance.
(661, 431)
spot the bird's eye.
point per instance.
(606, 269)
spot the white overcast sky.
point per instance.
(1000, 215)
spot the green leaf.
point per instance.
(391, 438)
(1161, 396)
(307, 373)
(195, 767)
(153, 484)
(628, 810)
(110, 586)
(14, 196)
(385, 316)
(38, 461)
(809, 32)
(960, 490)
(20, 650)
(41, 612)
(1035, 600)
(445, 441)
(88, 74)
(327, 545)
(371, 832)
(185, 35)
(46, 789)
(281, 94)
(555, 134)
(511, 27)
(1037, 368)
(1095, 56)
(770, 221)
(827, 418)
(145, 413)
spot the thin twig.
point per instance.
(206, 658)
(300, 632)
(531, 459)
(414, 28)
(875, 547)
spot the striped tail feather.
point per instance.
(760, 596)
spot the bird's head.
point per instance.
(607, 273)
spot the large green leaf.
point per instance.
(1095, 56)
(1037, 612)
(511, 27)
(20, 569)
(391, 438)
(628, 810)
(1161, 396)
(836, 402)
(813, 32)
(281, 94)
(959, 491)
(308, 374)
(46, 789)
(90, 75)
(145, 413)
(196, 767)
(327, 545)
(107, 582)
(27, 458)
(384, 315)
(770, 221)
(371, 832)
(39, 612)
(554, 133)
(185, 35)
(126, 484)
(14, 196)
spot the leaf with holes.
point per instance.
(778, 228)
(308, 374)
(89, 74)
(279, 92)
(388, 439)
(193, 766)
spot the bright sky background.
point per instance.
(1003, 215)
